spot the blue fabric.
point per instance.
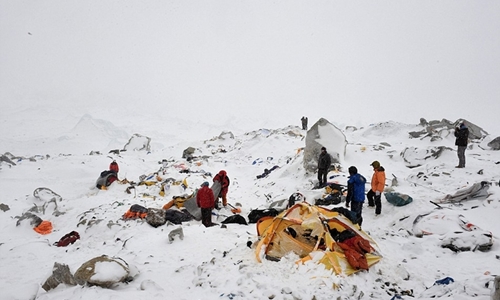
(444, 281)
(398, 199)
(358, 183)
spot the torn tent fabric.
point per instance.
(478, 190)
(314, 234)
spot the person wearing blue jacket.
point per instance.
(356, 193)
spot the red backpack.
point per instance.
(67, 239)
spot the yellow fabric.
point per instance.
(304, 229)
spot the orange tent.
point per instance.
(305, 230)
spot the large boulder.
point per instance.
(60, 274)
(156, 217)
(188, 153)
(323, 134)
(415, 157)
(138, 143)
(103, 271)
(436, 129)
(495, 144)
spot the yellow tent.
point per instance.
(305, 230)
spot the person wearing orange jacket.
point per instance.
(206, 201)
(378, 184)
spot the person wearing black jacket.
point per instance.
(462, 137)
(324, 162)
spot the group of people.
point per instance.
(356, 182)
(356, 190)
(207, 201)
(356, 185)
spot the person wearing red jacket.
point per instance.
(206, 201)
(224, 182)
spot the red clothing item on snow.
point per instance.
(111, 179)
(114, 167)
(205, 198)
(224, 182)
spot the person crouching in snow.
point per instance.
(206, 201)
(108, 177)
(356, 193)
(378, 184)
(222, 178)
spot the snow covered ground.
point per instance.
(216, 263)
(80, 78)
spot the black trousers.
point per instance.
(322, 177)
(357, 207)
(374, 200)
(206, 217)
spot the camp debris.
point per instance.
(310, 231)
(478, 190)
(447, 226)
(398, 199)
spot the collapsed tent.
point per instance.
(478, 190)
(315, 233)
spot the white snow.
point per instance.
(78, 79)
(215, 263)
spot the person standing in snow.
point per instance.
(378, 184)
(224, 182)
(304, 123)
(324, 162)
(462, 137)
(206, 201)
(356, 193)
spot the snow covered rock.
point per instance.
(324, 134)
(495, 144)
(156, 217)
(415, 157)
(138, 143)
(60, 274)
(103, 271)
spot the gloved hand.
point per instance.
(377, 193)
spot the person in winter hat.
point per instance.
(108, 177)
(324, 162)
(113, 167)
(224, 182)
(206, 201)
(356, 193)
(378, 184)
(462, 138)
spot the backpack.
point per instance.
(106, 173)
(136, 211)
(237, 219)
(334, 198)
(67, 239)
(256, 214)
